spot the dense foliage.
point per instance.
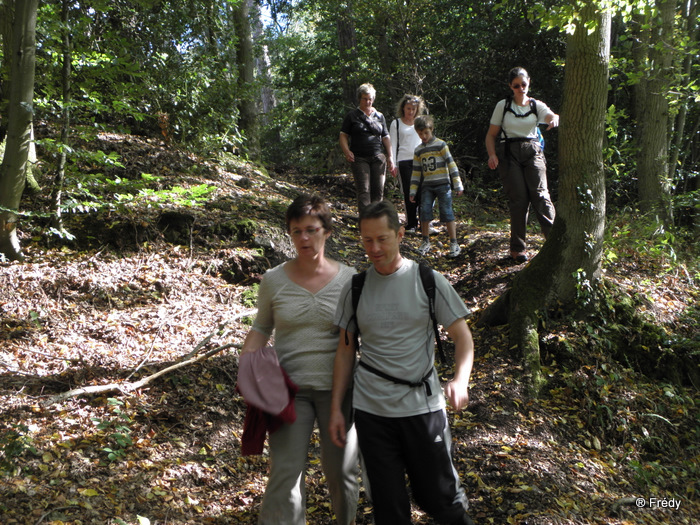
(171, 68)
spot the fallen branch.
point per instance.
(130, 386)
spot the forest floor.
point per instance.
(168, 270)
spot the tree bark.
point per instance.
(14, 162)
(248, 107)
(652, 112)
(691, 29)
(59, 179)
(570, 260)
(347, 46)
(6, 17)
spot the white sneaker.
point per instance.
(424, 248)
(455, 250)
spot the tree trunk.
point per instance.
(570, 259)
(263, 67)
(248, 106)
(14, 162)
(6, 18)
(691, 29)
(653, 114)
(57, 193)
(347, 46)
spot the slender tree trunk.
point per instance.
(263, 67)
(653, 115)
(347, 45)
(570, 259)
(6, 18)
(248, 107)
(14, 162)
(59, 180)
(691, 29)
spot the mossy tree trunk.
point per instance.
(571, 257)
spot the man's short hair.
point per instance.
(379, 209)
(424, 122)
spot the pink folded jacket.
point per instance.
(269, 395)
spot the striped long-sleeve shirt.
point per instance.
(435, 163)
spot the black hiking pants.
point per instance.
(417, 446)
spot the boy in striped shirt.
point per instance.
(437, 174)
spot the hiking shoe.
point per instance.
(455, 250)
(424, 248)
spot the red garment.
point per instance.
(257, 422)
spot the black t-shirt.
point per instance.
(366, 133)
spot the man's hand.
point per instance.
(337, 428)
(457, 394)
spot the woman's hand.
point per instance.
(553, 122)
(350, 156)
(490, 141)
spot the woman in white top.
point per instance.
(297, 300)
(519, 158)
(404, 140)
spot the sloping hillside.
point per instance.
(168, 271)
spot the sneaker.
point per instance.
(455, 250)
(424, 248)
(519, 257)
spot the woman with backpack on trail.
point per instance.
(514, 148)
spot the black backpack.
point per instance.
(533, 109)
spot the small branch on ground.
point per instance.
(130, 386)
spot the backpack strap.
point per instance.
(356, 285)
(398, 139)
(427, 277)
(533, 109)
(423, 382)
(506, 107)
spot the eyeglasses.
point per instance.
(310, 232)
(518, 86)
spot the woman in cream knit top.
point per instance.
(296, 305)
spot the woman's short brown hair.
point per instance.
(312, 205)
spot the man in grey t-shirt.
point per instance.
(402, 428)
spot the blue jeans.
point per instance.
(443, 194)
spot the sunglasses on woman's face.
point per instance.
(518, 86)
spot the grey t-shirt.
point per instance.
(396, 335)
(305, 336)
